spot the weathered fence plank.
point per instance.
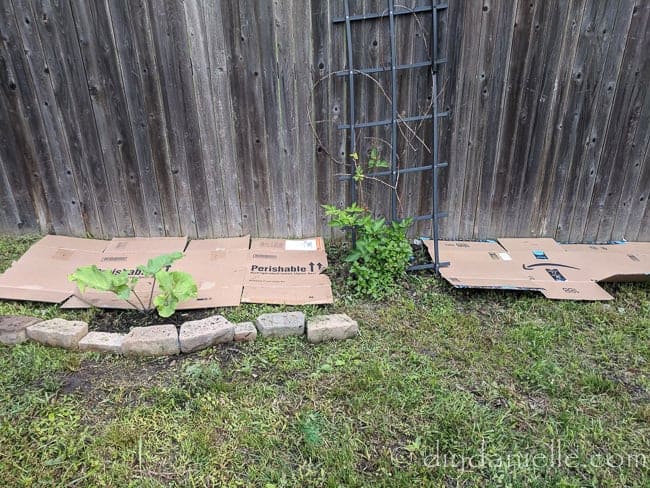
(45, 105)
(578, 194)
(222, 106)
(130, 76)
(498, 17)
(626, 132)
(555, 77)
(572, 129)
(220, 118)
(99, 58)
(201, 71)
(61, 55)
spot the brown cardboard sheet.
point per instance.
(268, 271)
(219, 268)
(627, 261)
(564, 272)
(286, 271)
(41, 274)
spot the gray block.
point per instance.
(155, 340)
(200, 334)
(13, 328)
(245, 331)
(58, 332)
(102, 342)
(281, 324)
(331, 328)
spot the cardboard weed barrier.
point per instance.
(558, 271)
(227, 271)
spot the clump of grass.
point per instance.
(310, 426)
(201, 377)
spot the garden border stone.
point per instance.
(281, 324)
(154, 340)
(245, 331)
(201, 334)
(333, 327)
(13, 328)
(58, 332)
(102, 342)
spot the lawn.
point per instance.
(443, 387)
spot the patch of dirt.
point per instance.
(93, 377)
(125, 320)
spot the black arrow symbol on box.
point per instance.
(311, 265)
(531, 266)
(320, 266)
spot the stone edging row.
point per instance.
(166, 340)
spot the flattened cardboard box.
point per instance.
(287, 272)
(41, 274)
(222, 268)
(564, 272)
(219, 267)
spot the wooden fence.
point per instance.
(152, 117)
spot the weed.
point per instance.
(381, 253)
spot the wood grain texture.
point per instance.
(61, 56)
(572, 134)
(45, 107)
(579, 192)
(149, 90)
(167, 117)
(497, 17)
(626, 134)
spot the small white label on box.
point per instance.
(304, 245)
(505, 256)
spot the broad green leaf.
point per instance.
(92, 277)
(165, 305)
(160, 262)
(175, 287)
(122, 291)
(353, 256)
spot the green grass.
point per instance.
(443, 387)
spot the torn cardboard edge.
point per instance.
(227, 271)
(558, 271)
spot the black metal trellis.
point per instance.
(394, 172)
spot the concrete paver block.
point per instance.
(102, 342)
(13, 328)
(282, 324)
(58, 332)
(155, 340)
(200, 334)
(331, 327)
(245, 331)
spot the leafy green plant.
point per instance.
(201, 377)
(174, 286)
(374, 162)
(381, 252)
(311, 428)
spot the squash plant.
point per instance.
(174, 286)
